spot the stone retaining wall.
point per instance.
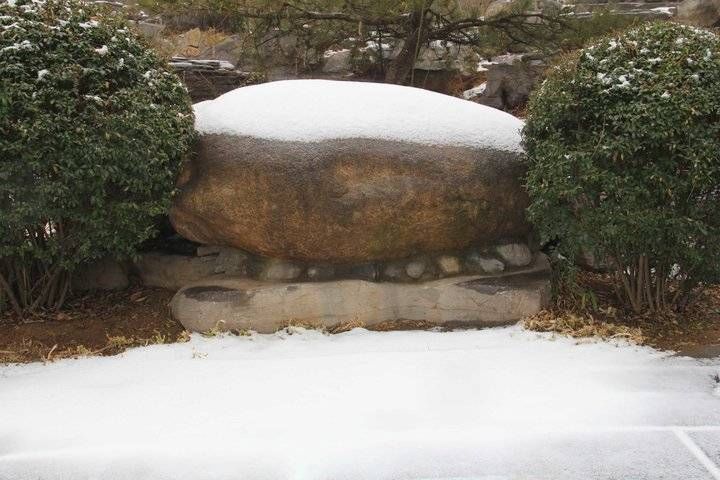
(173, 271)
(156, 269)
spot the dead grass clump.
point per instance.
(388, 326)
(346, 326)
(578, 326)
(394, 325)
(30, 350)
(605, 317)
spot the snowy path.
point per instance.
(492, 404)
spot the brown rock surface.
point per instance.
(703, 13)
(351, 200)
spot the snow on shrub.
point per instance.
(623, 142)
(93, 129)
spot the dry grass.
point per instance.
(579, 326)
(699, 325)
(31, 350)
(388, 326)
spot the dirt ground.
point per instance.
(103, 323)
(108, 323)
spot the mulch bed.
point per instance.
(105, 323)
(102, 323)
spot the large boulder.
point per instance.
(509, 81)
(346, 172)
(704, 13)
(338, 61)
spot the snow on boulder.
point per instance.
(317, 110)
(348, 172)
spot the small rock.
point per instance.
(415, 269)
(449, 264)
(319, 273)
(477, 262)
(515, 254)
(395, 271)
(280, 271)
(232, 262)
(474, 92)
(491, 265)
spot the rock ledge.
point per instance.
(225, 303)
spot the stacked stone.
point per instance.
(174, 271)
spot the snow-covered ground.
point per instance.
(492, 404)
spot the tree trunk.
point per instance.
(400, 68)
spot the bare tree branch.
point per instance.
(291, 11)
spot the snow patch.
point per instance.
(330, 53)
(664, 10)
(475, 91)
(24, 45)
(316, 110)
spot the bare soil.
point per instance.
(102, 323)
